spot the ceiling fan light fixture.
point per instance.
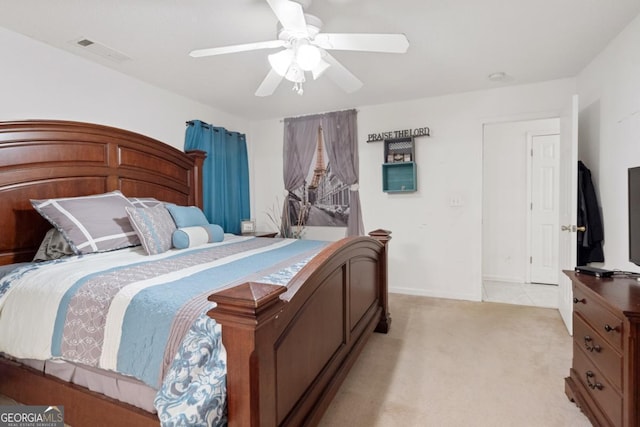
(295, 74)
(307, 56)
(281, 61)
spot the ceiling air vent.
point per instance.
(100, 50)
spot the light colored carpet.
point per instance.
(6, 401)
(458, 363)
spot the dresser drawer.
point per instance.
(608, 325)
(596, 384)
(598, 350)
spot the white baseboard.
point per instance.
(438, 294)
(507, 279)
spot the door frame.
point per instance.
(560, 114)
(530, 117)
(529, 184)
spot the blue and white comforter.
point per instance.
(143, 316)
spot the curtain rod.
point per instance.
(213, 128)
(319, 114)
(202, 124)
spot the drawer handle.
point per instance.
(576, 300)
(594, 385)
(610, 328)
(587, 343)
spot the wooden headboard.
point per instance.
(44, 159)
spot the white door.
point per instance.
(568, 208)
(545, 165)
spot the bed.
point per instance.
(288, 348)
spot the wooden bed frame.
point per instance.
(288, 350)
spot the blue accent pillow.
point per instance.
(189, 237)
(187, 216)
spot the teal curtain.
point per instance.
(225, 173)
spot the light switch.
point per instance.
(455, 201)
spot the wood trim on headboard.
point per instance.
(49, 158)
(196, 186)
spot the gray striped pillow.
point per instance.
(144, 202)
(154, 227)
(96, 223)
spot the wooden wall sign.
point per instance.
(381, 136)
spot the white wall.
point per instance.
(609, 134)
(436, 249)
(41, 82)
(505, 194)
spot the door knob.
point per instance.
(573, 228)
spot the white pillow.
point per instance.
(189, 237)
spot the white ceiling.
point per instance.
(454, 45)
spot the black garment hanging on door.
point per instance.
(590, 240)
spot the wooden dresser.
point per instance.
(604, 380)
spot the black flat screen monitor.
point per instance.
(634, 215)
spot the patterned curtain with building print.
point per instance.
(341, 138)
(225, 173)
(340, 135)
(299, 147)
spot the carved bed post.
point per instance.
(196, 187)
(245, 311)
(383, 236)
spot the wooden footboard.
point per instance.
(288, 350)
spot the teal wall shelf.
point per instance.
(399, 168)
(399, 177)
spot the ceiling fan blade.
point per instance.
(290, 15)
(389, 43)
(320, 69)
(269, 84)
(236, 48)
(340, 75)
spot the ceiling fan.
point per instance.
(305, 49)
